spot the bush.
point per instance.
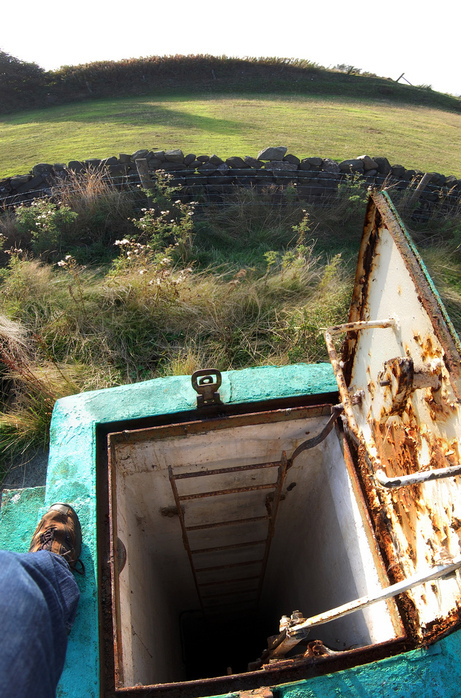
(21, 84)
(103, 209)
(46, 223)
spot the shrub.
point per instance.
(104, 212)
(47, 223)
(22, 84)
(28, 392)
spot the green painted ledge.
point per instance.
(433, 672)
(71, 474)
(19, 517)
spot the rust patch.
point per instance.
(385, 536)
(382, 524)
(263, 692)
(400, 516)
(317, 649)
(440, 626)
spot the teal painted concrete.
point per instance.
(434, 672)
(19, 517)
(71, 474)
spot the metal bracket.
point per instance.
(206, 383)
(336, 410)
(400, 378)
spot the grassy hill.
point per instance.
(25, 85)
(418, 137)
(230, 106)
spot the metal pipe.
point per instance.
(245, 563)
(233, 546)
(343, 389)
(184, 535)
(362, 325)
(316, 440)
(273, 515)
(232, 522)
(381, 595)
(222, 582)
(416, 478)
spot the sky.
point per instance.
(388, 38)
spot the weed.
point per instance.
(252, 218)
(28, 393)
(10, 235)
(47, 223)
(171, 229)
(103, 209)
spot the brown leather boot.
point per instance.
(59, 532)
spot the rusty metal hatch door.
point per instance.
(399, 378)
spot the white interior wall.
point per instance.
(150, 596)
(320, 556)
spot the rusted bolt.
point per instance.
(169, 511)
(358, 397)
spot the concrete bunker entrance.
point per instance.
(214, 538)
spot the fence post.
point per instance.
(413, 200)
(144, 176)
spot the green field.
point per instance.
(417, 137)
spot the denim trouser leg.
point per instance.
(38, 602)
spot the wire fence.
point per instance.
(314, 187)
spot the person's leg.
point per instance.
(38, 602)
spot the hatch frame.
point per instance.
(285, 670)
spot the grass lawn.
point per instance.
(417, 137)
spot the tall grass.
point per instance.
(102, 209)
(184, 288)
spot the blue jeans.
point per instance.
(38, 602)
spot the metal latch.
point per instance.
(402, 378)
(206, 383)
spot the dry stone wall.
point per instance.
(214, 178)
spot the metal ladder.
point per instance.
(229, 577)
